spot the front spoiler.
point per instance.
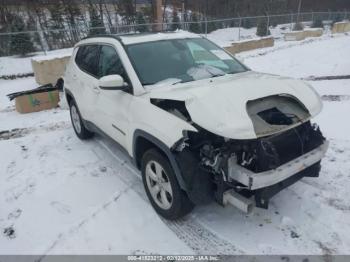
(254, 181)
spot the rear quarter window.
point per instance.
(87, 59)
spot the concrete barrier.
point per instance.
(341, 27)
(294, 36)
(247, 45)
(48, 70)
(313, 32)
(301, 35)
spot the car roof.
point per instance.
(129, 39)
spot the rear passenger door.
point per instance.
(86, 80)
(113, 105)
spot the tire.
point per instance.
(170, 205)
(77, 122)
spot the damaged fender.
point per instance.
(153, 120)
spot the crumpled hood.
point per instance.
(219, 104)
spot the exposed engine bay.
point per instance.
(256, 155)
(275, 113)
(284, 133)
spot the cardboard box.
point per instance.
(36, 102)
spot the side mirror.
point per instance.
(112, 82)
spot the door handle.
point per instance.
(96, 89)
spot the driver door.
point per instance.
(112, 106)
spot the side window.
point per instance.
(87, 58)
(110, 63)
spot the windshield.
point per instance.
(181, 60)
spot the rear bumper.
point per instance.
(255, 181)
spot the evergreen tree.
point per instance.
(262, 29)
(298, 26)
(74, 18)
(39, 19)
(127, 6)
(212, 26)
(35, 37)
(175, 22)
(5, 26)
(317, 23)
(57, 35)
(128, 10)
(21, 43)
(336, 19)
(140, 21)
(247, 23)
(97, 26)
(195, 26)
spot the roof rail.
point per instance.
(100, 35)
(117, 36)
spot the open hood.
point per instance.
(219, 105)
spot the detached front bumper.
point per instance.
(256, 181)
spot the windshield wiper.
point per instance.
(182, 82)
(217, 75)
(236, 72)
(177, 82)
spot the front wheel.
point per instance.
(162, 187)
(77, 122)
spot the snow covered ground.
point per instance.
(312, 59)
(14, 65)
(225, 37)
(59, 195)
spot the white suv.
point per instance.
(198, 124)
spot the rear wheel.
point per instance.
(162, 187)
(77, 122)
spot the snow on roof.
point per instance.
(141, 38)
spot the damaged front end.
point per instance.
(214, 166)
(287, 148)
